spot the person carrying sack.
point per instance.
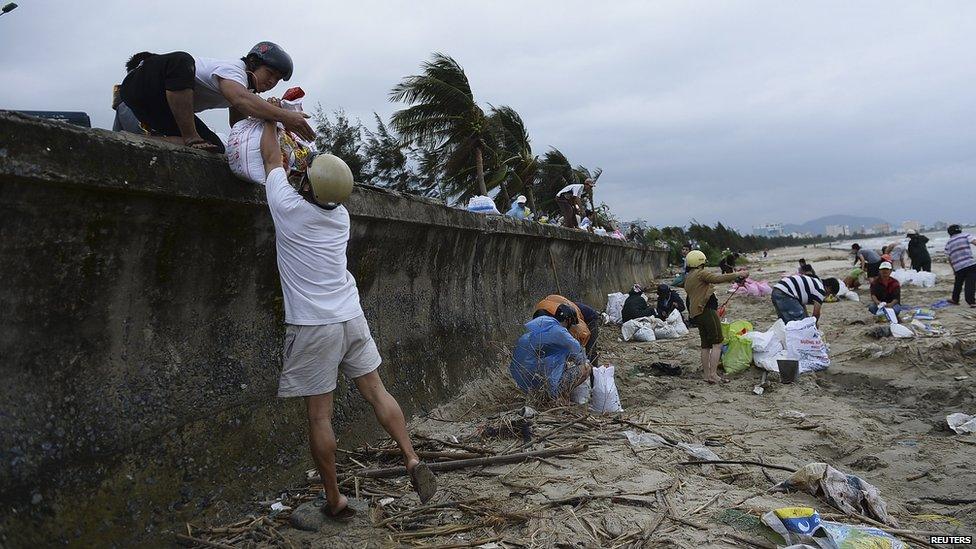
(570, 201)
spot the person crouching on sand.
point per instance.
(703, 309)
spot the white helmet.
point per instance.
(330, 178)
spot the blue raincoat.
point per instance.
(540, 356)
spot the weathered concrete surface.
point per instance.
(140, 324)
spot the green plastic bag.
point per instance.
(737, 356)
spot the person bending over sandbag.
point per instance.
(547, 358)
(792, 294)
(699, 284)
(636, 305)
(668, 301)
(578, 329)
(164, 91)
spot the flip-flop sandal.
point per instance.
(201, 145)
(346, 514)
(423, 481)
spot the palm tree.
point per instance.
(515, 151)
(444, 116)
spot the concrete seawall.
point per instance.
(140, 325)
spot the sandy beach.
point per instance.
(878, 412)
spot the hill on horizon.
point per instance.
(819, 225)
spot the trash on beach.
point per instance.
(644, 440)
(924, 313)
(849, 493)
(278, 507)
(961, 423)
(699, 452)
(803, 527)
(900, 331)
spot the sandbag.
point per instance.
(604, 398)
(244, 150)
(924, 279)
(675, 320)
(615, 306)
(737, 356)
(638, 329)
(664, 330)
(769, 361)
(804, 343)
(482, 204)
(581, 393)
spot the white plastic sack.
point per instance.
(244, 150)
(773, 340)
(903, 276)
(604, 397)
(662, 329)
(961, 423)
(804, 343)
(901, 331)
(482, 204)
(769, 361)
(675, 320)
(581, 393)
(638, 329)
(924, 279)
(615, 306)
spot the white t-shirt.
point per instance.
(576, 189)
(206, 89)
(311, 243)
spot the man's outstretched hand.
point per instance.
(294, 121)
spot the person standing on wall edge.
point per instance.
(164, 91)
(325, 329)
(570, 201)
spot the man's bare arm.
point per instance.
(250, 104)
(270, 149)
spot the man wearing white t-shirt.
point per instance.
(325, 329)
(570, 201)
(164, 91)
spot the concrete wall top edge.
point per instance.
(51, 152)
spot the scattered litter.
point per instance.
(791, 414)
(924, 313)
(386, 501)
(802, 527)
(698, 451)
(529, 412)
(849, 493)
(645, 440)
(961, 423)
(962, 378)
(278, 507)
(899, 331)
(940, 304)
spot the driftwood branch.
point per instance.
(738, 462)
(475, 462)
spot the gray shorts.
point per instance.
(313, 356)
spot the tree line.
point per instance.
(444, 145)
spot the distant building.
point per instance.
(881, 228)
(838, 230)
(940, 226)
(911, 226)
(769, 229)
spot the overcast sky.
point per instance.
(742, 112)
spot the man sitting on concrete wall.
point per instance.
(325, 329)
(164, 91)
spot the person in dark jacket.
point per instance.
(727, 263)
(636, 306)
(668, 300)
(917, 252)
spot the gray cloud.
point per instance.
(745, 112)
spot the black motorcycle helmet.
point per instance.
(565, 312)
(271, 54)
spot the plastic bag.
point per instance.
(581, 393)
(604, 397)
(644, 440)
(615, 306)
(244, 150)
(638, 329)
(924, 279)
(482, 204)
(961, 423)
(738, 354)
(675, 320)
(849, 493)
(804, 343)
(901, 331)
(802, 527)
